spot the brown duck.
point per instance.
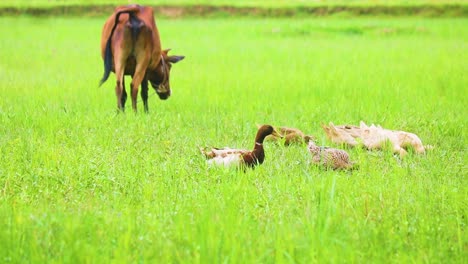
(239, 157)
(290, 136)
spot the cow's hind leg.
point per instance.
(140, 71)
(144, 93)
(142, 53)
(123, 99)
(120, 59)
(120, 85)
(119, 93)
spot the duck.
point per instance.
(342, 134)
(290, 135)
(374, 137)
(335, 159)
(228, 157)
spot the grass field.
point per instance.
(248, 8)
(255, 3)
(79, 183)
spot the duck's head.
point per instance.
(312, 147)
(276, 134)
(308, 138)
(265, 130)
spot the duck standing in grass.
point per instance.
(239, 157)
(336, 159)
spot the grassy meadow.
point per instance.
(82, 184)
(254, 3)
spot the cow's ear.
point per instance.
(175, 59)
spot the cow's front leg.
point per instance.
(144, 93)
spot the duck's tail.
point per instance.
(207, 154)
(330, 130)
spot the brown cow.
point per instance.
(130, 45)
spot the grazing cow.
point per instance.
(130, 45)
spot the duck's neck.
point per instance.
(258, 152)
(258, 146)
(259, 141)
(261, 135)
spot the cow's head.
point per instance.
(159, 78)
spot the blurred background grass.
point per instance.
(251, 3)
(177, 8)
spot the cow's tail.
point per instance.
(108, 50)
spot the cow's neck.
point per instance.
(154, 63)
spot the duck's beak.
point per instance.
(276, 134)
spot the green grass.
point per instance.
(249, 3)
(256, 8)
(79, 183)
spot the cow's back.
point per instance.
(144, 14)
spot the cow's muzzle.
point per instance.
(163, 92)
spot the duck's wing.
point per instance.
(250, 160)
(354, 131)
(222, 152)
(226, 160)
